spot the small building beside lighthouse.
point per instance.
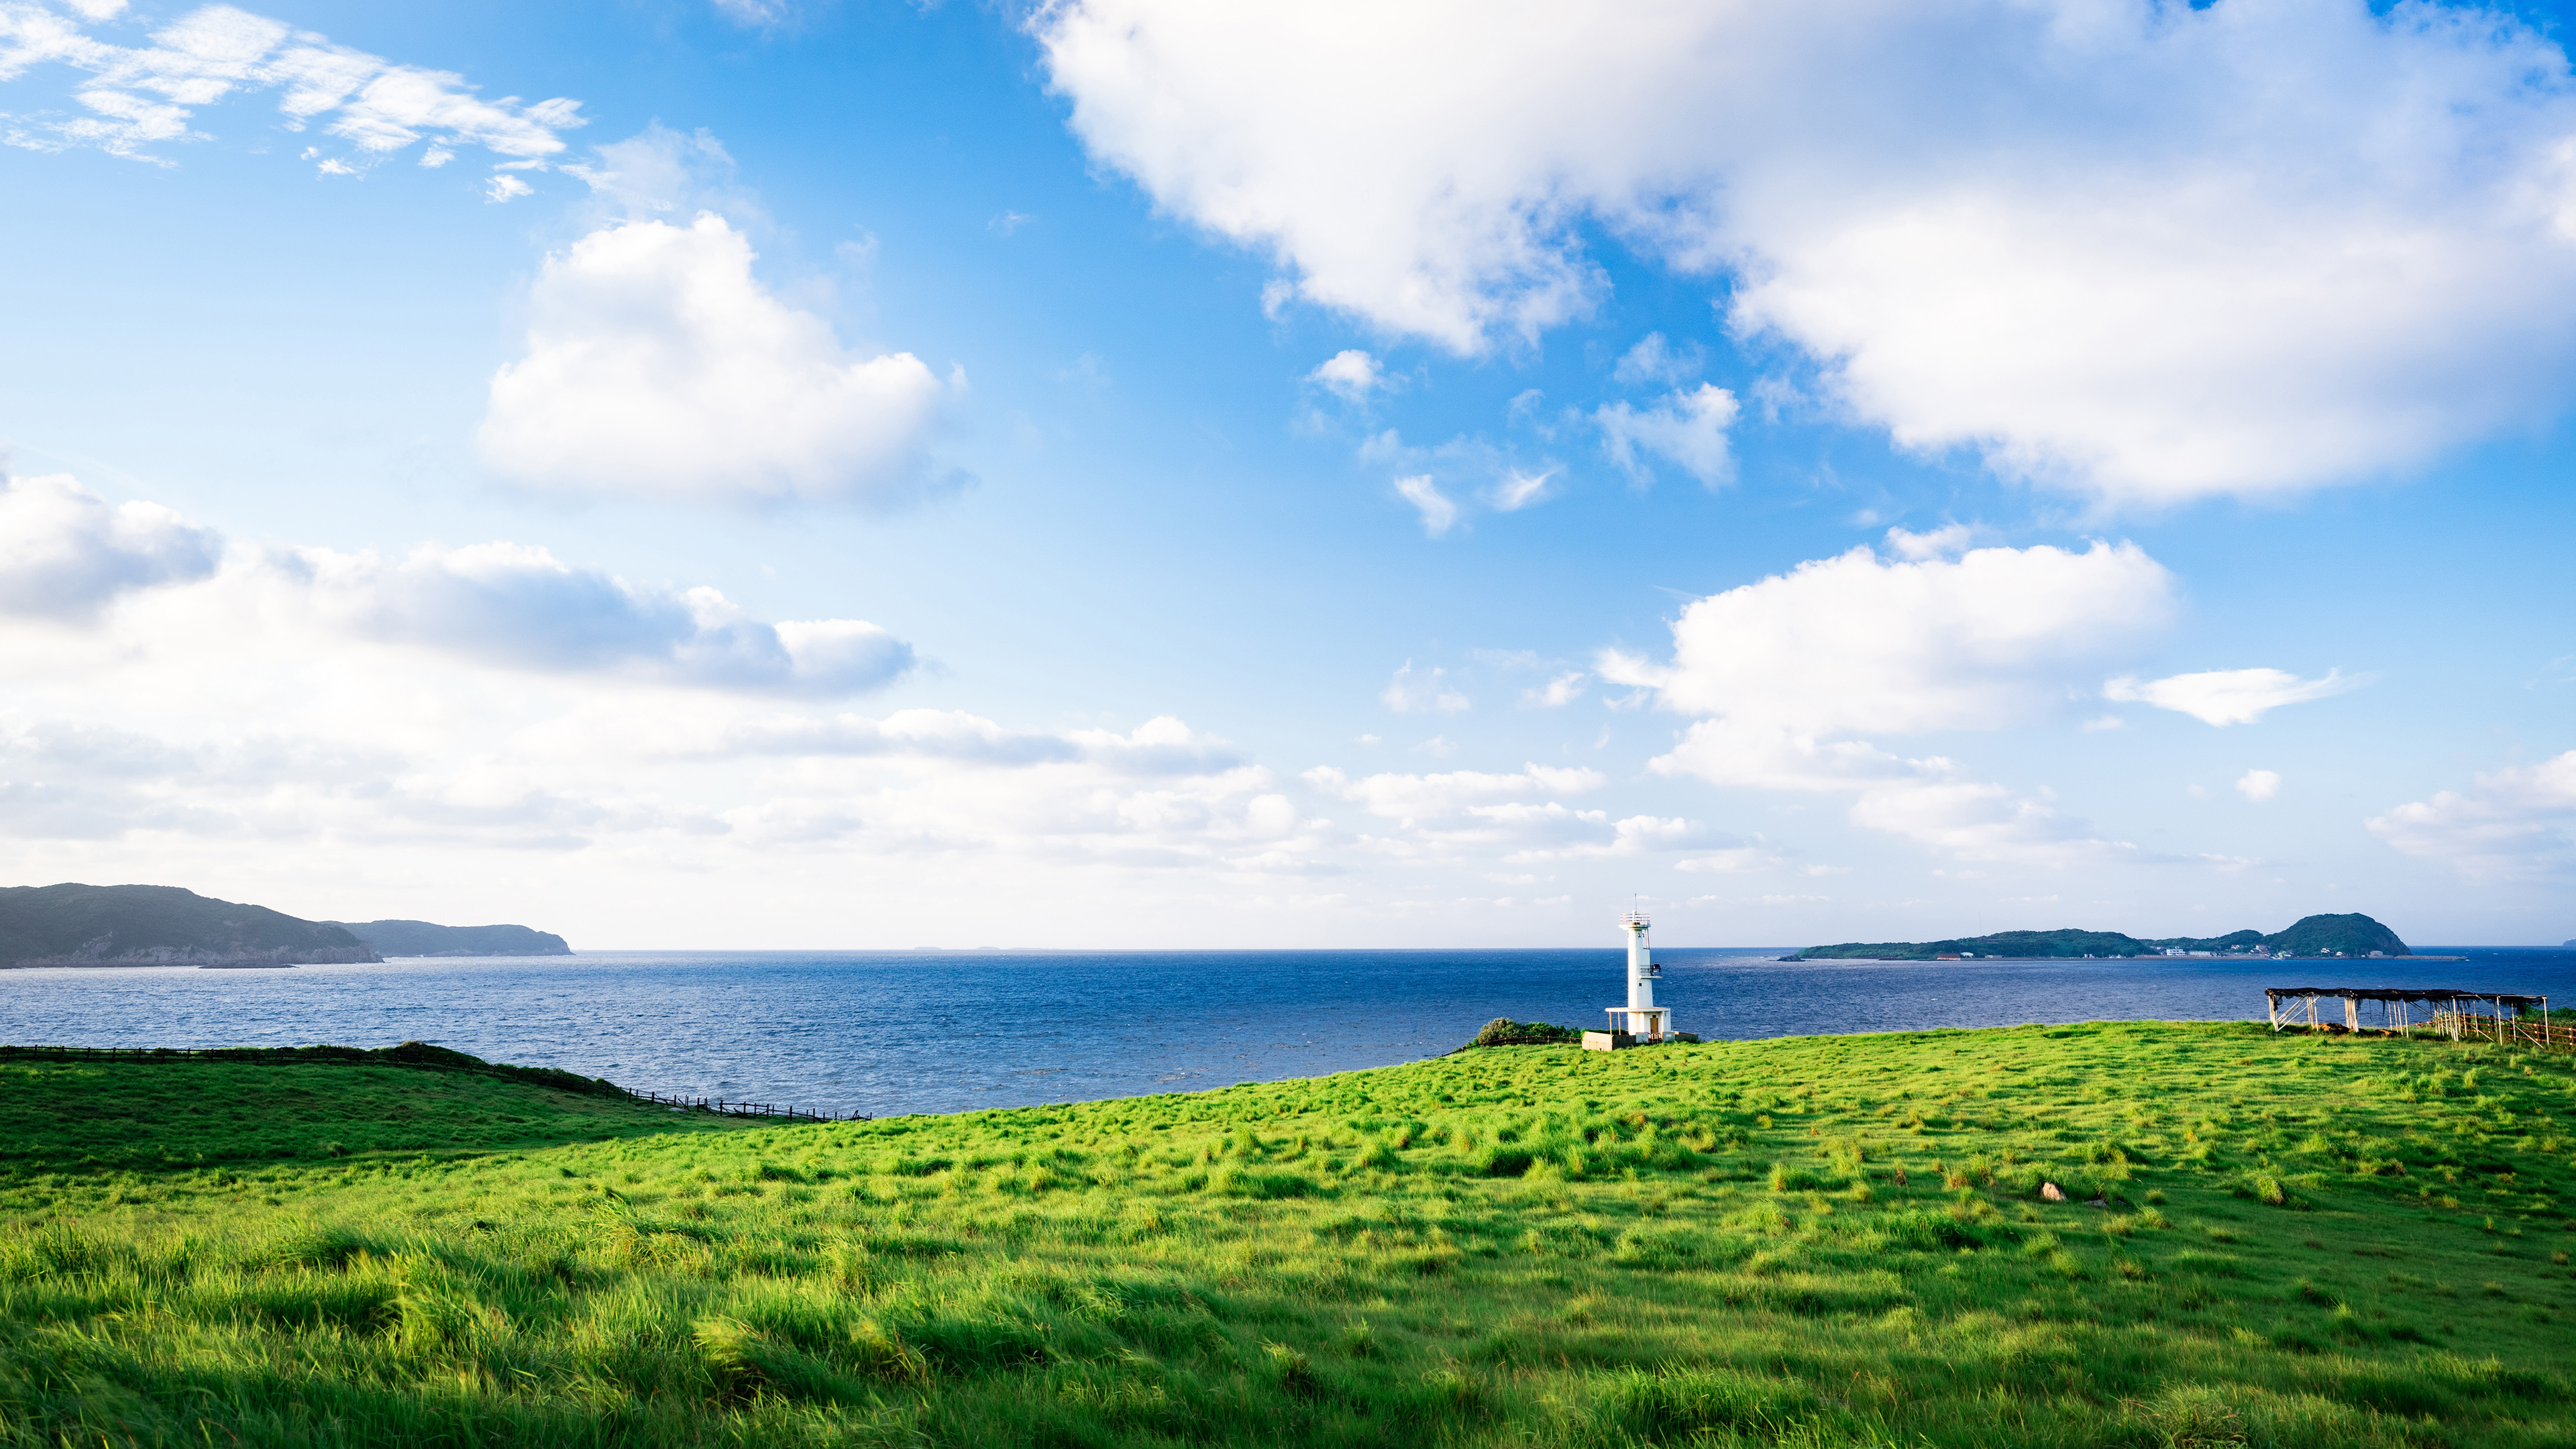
(1641, 1020)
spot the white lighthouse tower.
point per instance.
(1641, 1019)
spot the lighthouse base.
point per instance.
(1642, 1023)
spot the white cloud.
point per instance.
(2513, 825)
(65, 554)
(1790, 671)
(1439, 511)
(1854, 643)
(658, 171)
(520, 606)
(1564, 689)
(2146, 252)
(1414, 691)
(142, 97)
(2230, 696)
(1161, 747)
(753, 12)
(462, 719)
(1739, 860)
(1943, 542)
(1437, 797)
(1654, 360)
(504, 187)
(659, 367)
(1519, 489)
(2259, 785)
(1688, 430)
(1350, 373)
(1978, 820)
(1635, 835)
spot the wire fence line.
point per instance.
(442, 1060)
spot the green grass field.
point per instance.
(2309, 1241)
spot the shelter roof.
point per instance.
(2406, 993)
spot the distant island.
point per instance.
(420, 938)
(149, 925)
(144, 925)
(2345, 935)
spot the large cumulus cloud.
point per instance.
(2140, 250)
(658, 366)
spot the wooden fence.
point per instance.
(742, 1109)
(2548, 1036)
(2554, 1036)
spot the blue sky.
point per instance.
(1138, 473)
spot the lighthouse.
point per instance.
(1641, 1019)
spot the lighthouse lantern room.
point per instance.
(1641, 1019)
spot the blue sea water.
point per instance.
(887, 1033)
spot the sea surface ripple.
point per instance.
(886, 1033)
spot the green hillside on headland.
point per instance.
(147, 925)
(2345, 935)
(2304, 1240)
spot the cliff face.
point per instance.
(138, 925)
(421, 938)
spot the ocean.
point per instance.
(887, 1033)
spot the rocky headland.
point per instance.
(145, 925)
(422, 938)
(150, 925)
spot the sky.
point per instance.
(1142, 473)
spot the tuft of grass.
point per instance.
(1815, 1241)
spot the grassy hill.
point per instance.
(1821, 1241)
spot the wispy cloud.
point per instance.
(1520, 489)
(1687, 430)
(2230, 696)
(1417, 691)
(139, 100)
(1439, 511)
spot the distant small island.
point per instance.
(149, 925)
(2346, 935)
